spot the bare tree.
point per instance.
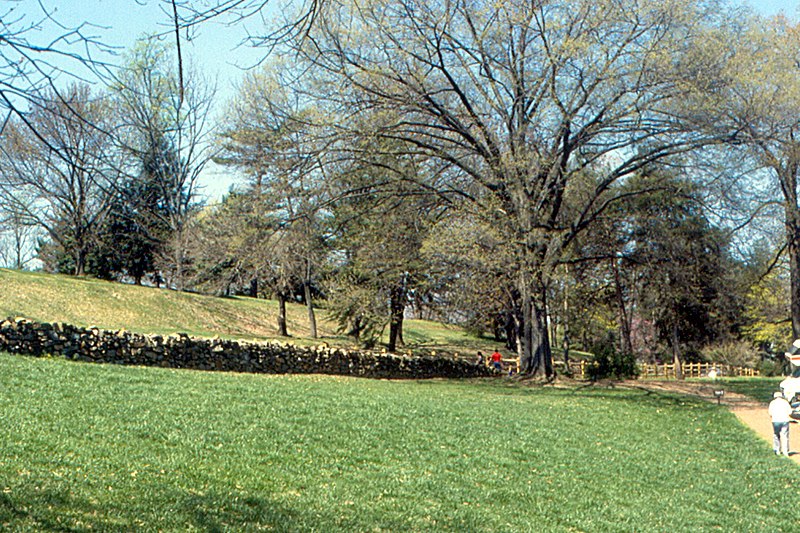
(30, 63)
(59, 170)
(166, 129)
(539, 109)
(17, 242)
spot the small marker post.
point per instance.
(719, 394)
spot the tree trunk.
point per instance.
(282, 331)
(355, 332)
(626, 344)
(511, 333)
(536, 357)
(793, 242)
(565, 340)
(179, 270)
(80, 262)
(312, 317)
(397, 307)
(676, 352)
(253, 288)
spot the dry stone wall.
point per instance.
(27, 337)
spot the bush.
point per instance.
(770, 367)
(733, 353)
(610, 363)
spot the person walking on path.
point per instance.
(780, 411)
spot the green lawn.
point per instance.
(758, 388)
(96, 447)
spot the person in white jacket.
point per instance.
(780, 411)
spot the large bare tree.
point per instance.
(538, 109)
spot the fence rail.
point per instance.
(667, 371)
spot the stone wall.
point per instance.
(26, 337)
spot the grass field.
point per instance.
(92, 302)
(759, 389)
(96, 447)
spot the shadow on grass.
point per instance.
(217, 513)
(62, 510)
(606, 390)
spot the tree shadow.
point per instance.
(60, 509)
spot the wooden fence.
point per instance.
(667, 371)
(580, 369)
(695, 370)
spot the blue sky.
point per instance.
(772, 7)
(214, 46)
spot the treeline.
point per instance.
(612, 176)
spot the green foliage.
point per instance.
(771, 367)
(469, 273)
(766, 316)
(214, 452)
(733, 353)
(608, 362)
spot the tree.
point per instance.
(166, 131)
(240, 246)
(537, 108)
(266, 138)
(379, 235)
(682, 271)
(17, 241)
(60, 170)
(470, 282)
(751, 96)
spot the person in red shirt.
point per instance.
(497, 360)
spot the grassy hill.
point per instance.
(92, 302)
(101, 447)
(110, 448)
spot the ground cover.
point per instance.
(122, 448)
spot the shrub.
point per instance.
(609, 362)
(734, 353)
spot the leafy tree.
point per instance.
(265, 137)
(129, 240)
(683, 267)
(380, 237)
(470, 280)
(750, 95)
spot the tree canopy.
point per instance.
(550, 172)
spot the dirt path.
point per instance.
(751, 413)
(757, 419)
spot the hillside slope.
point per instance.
(91, 302)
